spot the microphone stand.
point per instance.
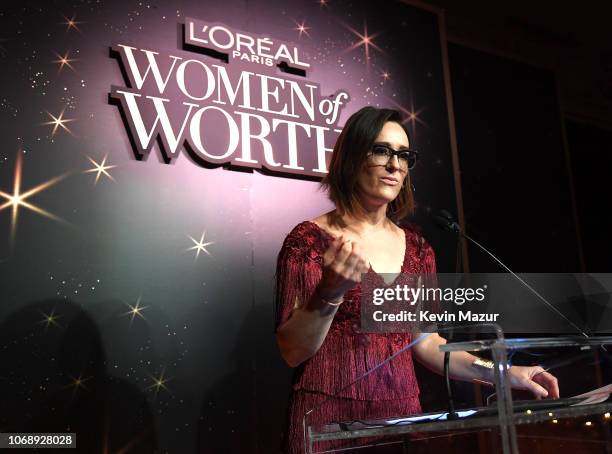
(445, 220)
(452, 414)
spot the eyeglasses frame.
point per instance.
(392, 152)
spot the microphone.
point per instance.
(446, 222)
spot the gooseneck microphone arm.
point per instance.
(445, 220)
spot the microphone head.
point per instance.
(441, 222)
(446, 215)
(445, 221)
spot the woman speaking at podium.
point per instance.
(318, 290)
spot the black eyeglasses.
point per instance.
(382, 154)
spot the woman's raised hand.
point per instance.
(343, 264)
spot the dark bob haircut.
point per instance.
(349, 155)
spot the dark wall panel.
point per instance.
(591, 157)
(513, 167)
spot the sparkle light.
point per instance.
(411, 116)
(365, 40)
(63, 60)
(78, 383)
(18, 199)
(71, 23)
(100, 169)
(159, 383)
(49, 319)
(323, 3)
(385, 75)
(302, 28)
(58, 122)
(135, 310)
(200, 246)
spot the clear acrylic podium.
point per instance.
(502, 418)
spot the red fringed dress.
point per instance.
(346, 353)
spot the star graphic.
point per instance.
(385, 75)
(78, 383)
(18, 198)
(71, 23)
(63, 60)
(200, 246)
(322, 3)
(365, 40)
(411, 115)
(135, 310)
(302, 28)
(49, 319)
(159, 383)
(58, 122)
(100, 169)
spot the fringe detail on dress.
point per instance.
(346, 353)
(344, 358)
(297, 275)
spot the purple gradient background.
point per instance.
(207, 321)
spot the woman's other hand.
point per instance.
(534, 379)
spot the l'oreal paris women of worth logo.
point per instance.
(229, 98)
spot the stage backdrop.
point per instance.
(154, 155)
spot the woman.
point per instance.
(318, 289)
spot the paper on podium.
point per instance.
(596, 396)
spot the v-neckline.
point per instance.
(403, 266)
